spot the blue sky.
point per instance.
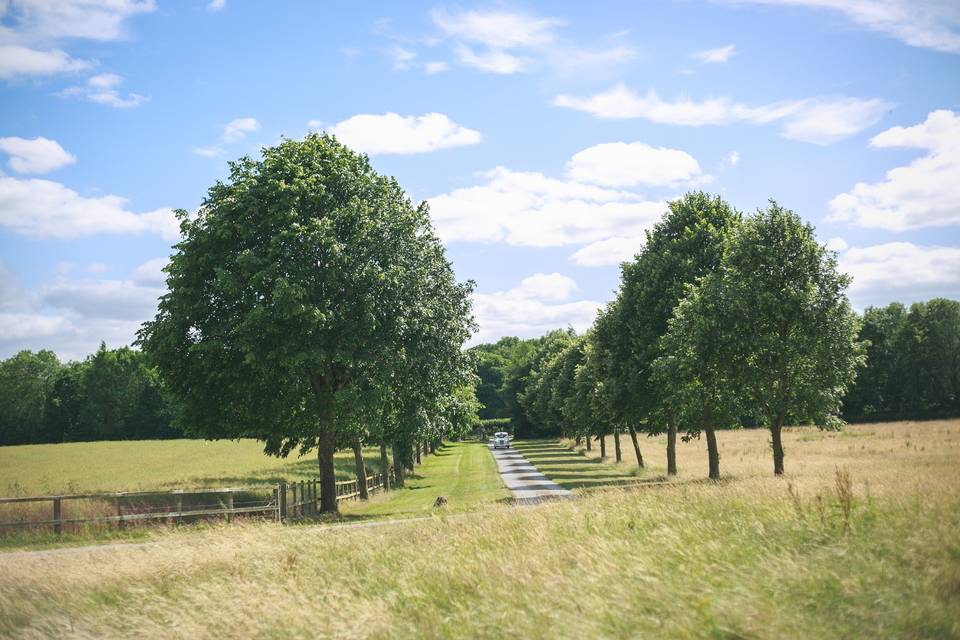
(546, 137)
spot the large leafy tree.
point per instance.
(684, 246)
(304, 288)
(877, 390)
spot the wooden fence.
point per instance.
(283, 501)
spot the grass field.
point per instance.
(858, 541)
(79, 467)
(462, 472)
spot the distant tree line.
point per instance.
(721, 321)
(110, 395)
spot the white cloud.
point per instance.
(733, 158)
(493, 60)
(531, 209)
(39, 155)
(925, 193)
(42, 208)
(609, 252)
(402, 58)
(211, 151)
(216, 5)
(816, 120)
(73, 316)
(714, 56)
(151, 272)
(393, 133)
(31, 29)
(546, 286)
(505, 42)
(17, 61)
(102, 89)
(42, 20)
(497, 29)
(432, 68)
(532, 308)
(837, 244)
(238, 128)
(97, 267)
(901, 270)
(314, 124)
(621, 164)
(930, 24)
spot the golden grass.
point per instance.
(744, 558)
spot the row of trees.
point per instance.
(110, 395)
(720, 320)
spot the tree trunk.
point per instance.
(713, 453)
(397, 466)
(577, 442)
(776, 430)
(616, 445)
(416, 451)
(589, 438)
(361, 468)
(328, 478)
(636, 446)
(672, 449)
(603, 446)
(384, 467)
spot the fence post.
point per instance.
(119, 512)
(178, 504)
(229, 506)
(303, 499)
(313, 501)
(282, 501)
(57, 525)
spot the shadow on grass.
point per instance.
(570, 469)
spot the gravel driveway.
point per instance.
(523, 479)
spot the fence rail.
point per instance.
(285, 501)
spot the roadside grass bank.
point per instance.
(742, 558)
(464, 473)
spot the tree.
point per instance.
(684, 246)
(876, 393)
(787, 335)
(305, 287)
(927, 361)
(25, 382)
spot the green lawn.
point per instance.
(462, 472)
(572, 470)
(78, 467)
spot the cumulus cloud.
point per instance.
(104, 89)
(538, 304)
(73, 316)
(20, 61)
(901, 271)
(47, 209)
(238, 128)
(817, 120)
(531, 209)
(715, 56)
(931, 24)
(925, 193)
(393, 133)
(609, 252)
(621, 164)
(32, 29)
(39, 155)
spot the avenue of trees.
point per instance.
(722, 321)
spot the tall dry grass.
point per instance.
(869, 552)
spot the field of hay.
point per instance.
(859, 541)
(144, 465)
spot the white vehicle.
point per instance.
(501, 439)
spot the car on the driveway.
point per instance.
(501, 439)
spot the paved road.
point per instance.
(523, 479)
